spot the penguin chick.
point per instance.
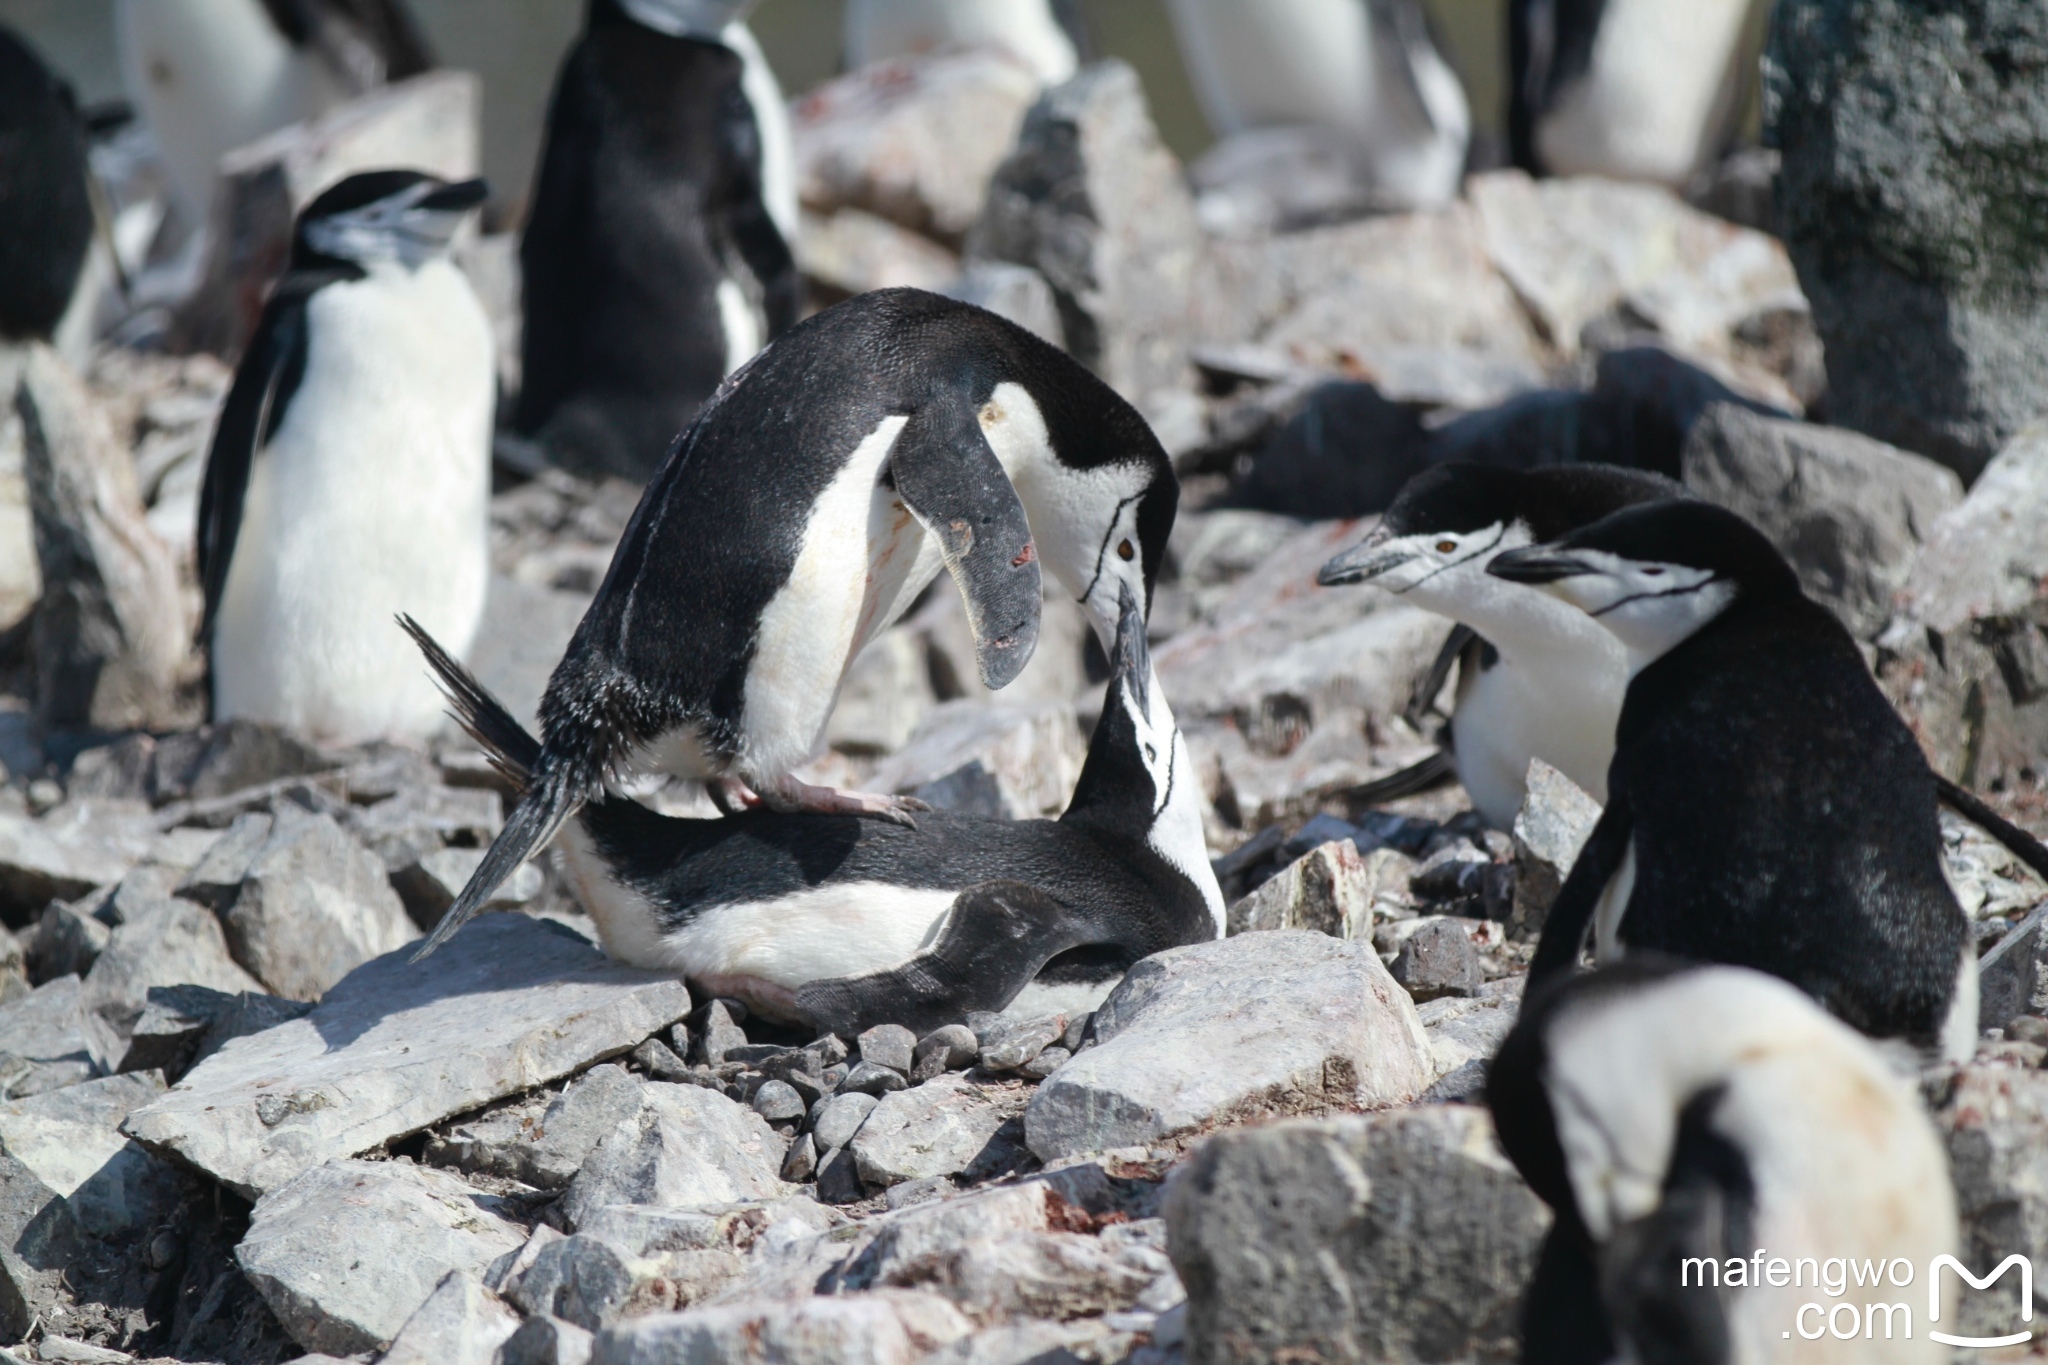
(1536, 678)
(349, 476)
(1681, 1119)
(46, 217)
(1628, 89)
(1366, 68)
(657, 258)
(1766, 806)
(212, 75)
(842, 923)
(1029, 29)
(817, 494)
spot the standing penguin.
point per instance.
(1766, 807)
(842, 923)
(1367, 69)
(1713, 1144)
(657, 256)
(1628, 89)
(1030, 29)
(349, 478)
(212, 75)
(1537, 678)
(813, 499)
(46, 216)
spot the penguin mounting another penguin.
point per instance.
(46, 205)
(1537, 678)
(1367, 70)
(817, 494)
(1629, 89)
(212, 75)
(1766, 807)
(658, 254)
(349, 476)
(1710, 1141)
(842, 923)
(1044, 34)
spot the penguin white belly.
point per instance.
(1522, 709)
(1655, 91)
(371, 499)
(876, 29)
(771, 123)
(1613, 905)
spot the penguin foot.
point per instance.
(788, 795)
(731, 795)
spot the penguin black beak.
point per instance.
(1364, 561)
(1537, 564)
(1133, 663)
(459, 197)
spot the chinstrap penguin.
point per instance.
(1680, 1119)
(212, 75)
(818, 493)
(1037, 32)
(1537, 678)
(1367, 69)
(1628, 89)
(843, 923)
(657, 257)
(349, 476)
(1766, 807)
(46, 210)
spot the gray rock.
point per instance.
(248, 1013)
(687, 1145)
(221, 759)
(63, 1349)
(14, 982)
(1007, 1044)
(546, 1148)
(1033, 1274)
(42, 861)
(903, 1247)
(170, 943)
(1438, 960)
(891, 1327)
(1046, 1062)
(543, 1340)
(315, 906)
(1016, 292)
(420, 820)
(1913, 134)
(1555, 821)
(220, 873)
(944, 1049)
(866, 1078)
(1093, 202)
(48, 1039)
(70, 1142)
(461, 1323)
(838, 1118)
(66, 943)
(937, 1128)
(890, 1045)
(167, 1033)
(778, 1102)
(1467, 1029)
(2009, 977)
(1328, 890)
(658, 1060)
(1994, 1122)
(853, 251)
(347, 1252)
(1849, 512)
(429, 886)
(588, 1281)
(1274, 1023)
(717, 1032)
(1029, 758)
(802, 1162)
(1401, 1237)
(839, 1178)
(509, 1003)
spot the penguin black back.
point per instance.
(649, 197)
(46, 218)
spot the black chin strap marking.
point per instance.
(1647, 596)
(1102, 550)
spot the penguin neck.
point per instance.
(1526, 625)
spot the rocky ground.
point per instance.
(236, 1125)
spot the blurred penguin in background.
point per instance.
(658, 254)
(211, 75)
(46, 213)
(1306, 90)
(1629, 89)
(1041, 33)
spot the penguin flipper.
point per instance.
(1971, 807)
(1423, 698)
(1438, 768)
(1564, 930)
(996, 936)
(508, 745)
(742, 209)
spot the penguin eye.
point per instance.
(1444, 547)
(1124, 551)
(1151, 754)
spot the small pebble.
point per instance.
(163, 1249)
(831, 1049)
(1076, 1026)
(868, 1079)
(1010, 1045)
(839, 1179)
(929, 1190)
(778, 1102)
(802, 1162)
(951, 1048)
(718, 1030)
(1438, 960)
(835, 1076)
(890, 1045)
(1045, 1063)
(43, 794)
(679, 1039)
(836, 1120)
(655, 1058)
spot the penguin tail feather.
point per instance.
(551, 794)
(1971, 807)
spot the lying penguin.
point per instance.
(819, 492)
(842, 923)
(1536, 677)
(1680, 1119)
(1766, 806)
(658, 255)
(350, 473)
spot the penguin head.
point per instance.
(1655, 575)
(384, 217)
(700, 19)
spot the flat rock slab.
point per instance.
(70, 1140)
(889, 1327)
(937, 1128)
(684, 1146)
(1267, 1024)
(48, 1039)
(348, 1252)
(509, 1003)
(461, 1323)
